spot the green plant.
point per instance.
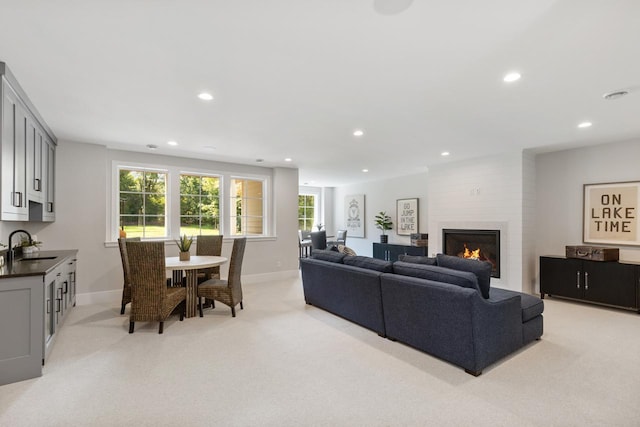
(184, 243)
(383, 222)
(25, 243)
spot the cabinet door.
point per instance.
(49, 165)
(416, 250)
(379, 250)
(49, 310)
(610, 283)
(59, 294)
(561, 277)
(71, 277)
(35, 142)
(14, 143)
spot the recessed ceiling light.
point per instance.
(288, 159)
(205, 96)
(445, 153)
(152, 146)
(358, 132)
(512, 77)
(585, 125)
(172, 143)
(365, 170)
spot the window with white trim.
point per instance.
(247, 207)
(142, 202)
(199, 204)
(306, 211)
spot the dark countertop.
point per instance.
(31, 266)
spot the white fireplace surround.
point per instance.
(435, 244)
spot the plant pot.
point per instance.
(384, 238)
(185, 256)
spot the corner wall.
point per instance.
(560, 177)
(382, 196)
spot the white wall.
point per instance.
(485, 193)
(560, 177)
(83, 180)
(382, 196)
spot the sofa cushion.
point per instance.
(531, 305)
(327, 255)
(482, 269)
(369, 263)
(417, 259)
(464, 279)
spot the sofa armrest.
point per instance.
(497, 329)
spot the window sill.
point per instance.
(171, 242)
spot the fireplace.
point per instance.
(475, 244)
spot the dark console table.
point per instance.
(390, 252)
(610, 283)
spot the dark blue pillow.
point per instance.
(369, 263)
(463, 279)
(482, 269)
(327, 255)
(417, 259)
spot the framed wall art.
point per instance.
(611, 213)
(354, 215)
(407, 215)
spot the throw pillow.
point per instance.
(416, 259)
(346, 250)
(482, 269)
(463, 279)
(327, 255)
(369, 263)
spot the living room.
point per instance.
(280, 362)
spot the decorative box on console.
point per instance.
(419, 239)
(593, 253)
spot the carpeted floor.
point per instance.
(283, 363)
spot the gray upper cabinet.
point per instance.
(27, 148)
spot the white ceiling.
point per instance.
(294, 78)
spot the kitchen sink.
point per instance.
(40, 258)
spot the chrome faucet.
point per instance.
(11, 253)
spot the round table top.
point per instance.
(196, 261)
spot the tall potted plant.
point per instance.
(383, 222)
(184, 244)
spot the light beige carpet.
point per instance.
(283, 363)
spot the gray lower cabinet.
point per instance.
(32, 311)
(21, 323)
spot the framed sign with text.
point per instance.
(354, 215)
(407, 214)
(611, 213)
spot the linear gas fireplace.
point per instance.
(475, 244)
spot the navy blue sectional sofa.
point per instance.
(450, 312)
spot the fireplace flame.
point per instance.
(475, 254)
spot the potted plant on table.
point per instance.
(383, 222)
(29, 246)
(184, 244)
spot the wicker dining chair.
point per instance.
(126, 288)
(228, 291)
(151, 299)
(209, 245)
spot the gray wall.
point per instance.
(560, 177)
(382, 196)
(83, 185)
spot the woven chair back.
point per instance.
(235, 267)
(148, 277)
(123, 255)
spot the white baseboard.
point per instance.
(115, 296)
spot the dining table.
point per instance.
(191, 267)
